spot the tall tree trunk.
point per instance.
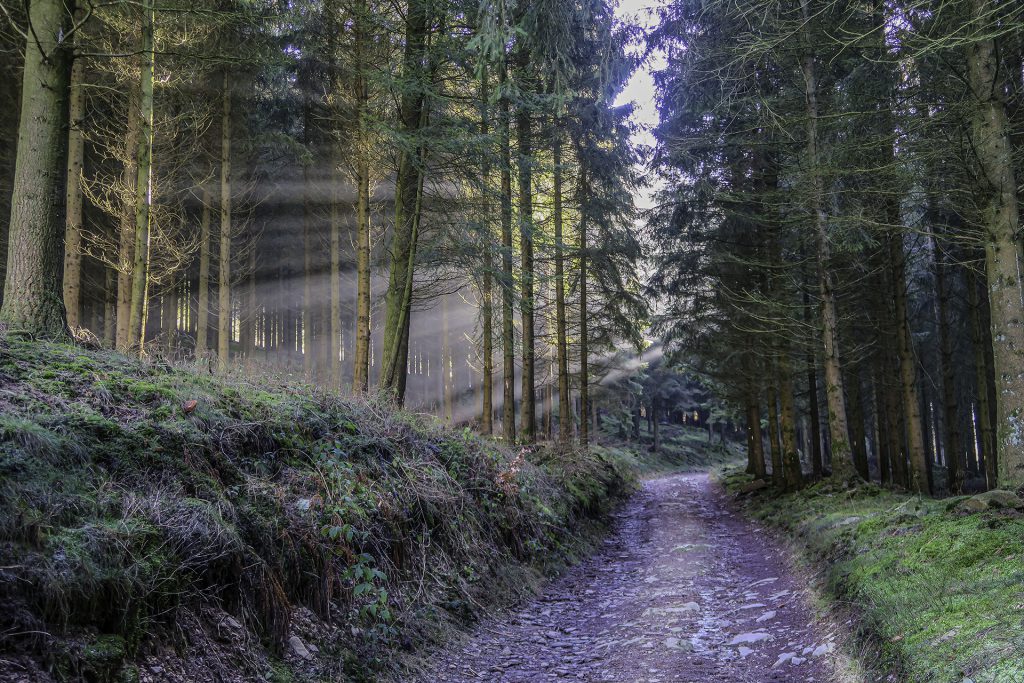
(33, 296)
(817, 465)
(585, 342)
(955, 457)
(361, 357)
(990, 131)
(525, 139)
(908, 369)
(487, 287)
(842, 463)
(73, 229)
(126, 226)
(981, 342)
(224, 262)
(143, 184)
(203, 314)
(408, 202)
(564, 409)
(507, 279)
(361, 371)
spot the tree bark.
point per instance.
(528, 413)
(224, 261)
(408, 202)
(564, 409)
(507, 284)
(584, 341)
(33, 296)
(842, 464)
(73, 230)
(143, 184)
(487, 288)
(955, 457)
(792, 476)
(990, 132)
(908, 370)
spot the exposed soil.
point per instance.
(684, 590)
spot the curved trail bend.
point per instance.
(684, 590)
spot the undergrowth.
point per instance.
(937, 592)
(150, 515)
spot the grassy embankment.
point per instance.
(166, 524)
(935, 589)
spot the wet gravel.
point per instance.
(684, 590)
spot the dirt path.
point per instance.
(683, 591)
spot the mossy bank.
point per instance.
(935, 588)
(165, 524)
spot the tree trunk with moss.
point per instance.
(990, 133)
(33, 296)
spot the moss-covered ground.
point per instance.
(162, 523)
(937, 593)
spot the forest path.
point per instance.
(684, 590)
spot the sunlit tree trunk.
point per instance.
(126, 224)
(990, 131)
(73, 230)
(224, 261)
(33, 297)
(143, 185)
(507, 280)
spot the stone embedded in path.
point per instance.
(753, 637)
(770, 614)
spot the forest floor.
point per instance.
(684, 590)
